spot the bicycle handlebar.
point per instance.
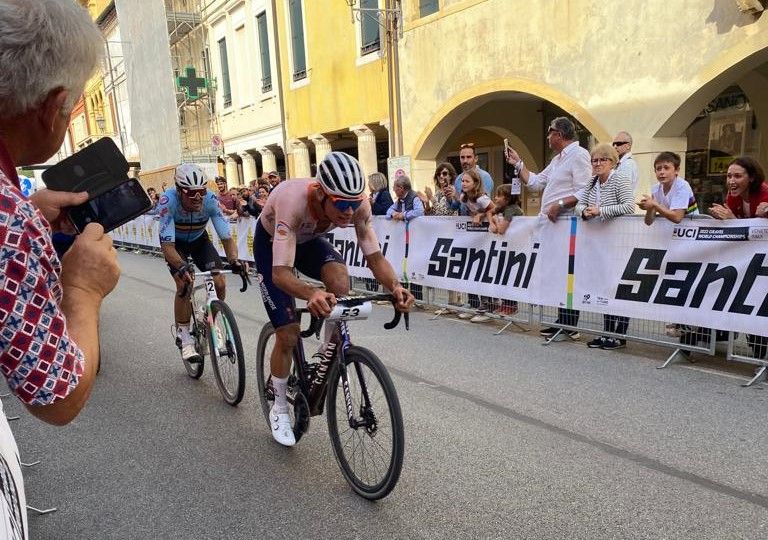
(226, 269)
(316, 322)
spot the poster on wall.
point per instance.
(398, 166)
(726, 140)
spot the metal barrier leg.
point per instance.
(555, 335)
(40, 512)
(760, 375)
(676, 355)
(30, 464)
(510, 323)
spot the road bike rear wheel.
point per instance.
(296, 398)
(226, 349)
(370, 452)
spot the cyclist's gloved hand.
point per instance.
(183, 273)
(238, 267)
(321, 303)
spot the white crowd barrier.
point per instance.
(700, 272)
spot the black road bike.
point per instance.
(365, 423)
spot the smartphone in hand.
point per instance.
(112, 208)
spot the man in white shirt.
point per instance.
(568, 172)
(622, 142)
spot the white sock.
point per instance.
(280, 386)
(183, 332)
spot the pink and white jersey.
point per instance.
(289, 220)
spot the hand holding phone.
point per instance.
(506, 148)
(113, 208)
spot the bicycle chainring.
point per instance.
(300, 414)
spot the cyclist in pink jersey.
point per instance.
(291, 234)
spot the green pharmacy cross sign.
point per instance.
(190, 83)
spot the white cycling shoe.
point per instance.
(189, 354)
(280, 421)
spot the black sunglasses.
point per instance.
(620, 143)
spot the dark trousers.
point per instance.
(615, 323)
(569, 317)
(417, 291)
(481, 301)
(758, 344)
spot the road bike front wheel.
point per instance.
(370, 448)
(300, 411)
(226, 349)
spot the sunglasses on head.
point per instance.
(342, 205)
(193, 193)
(467, 145)
(444, 172)
(620, 143)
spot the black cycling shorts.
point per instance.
(202, 252)
(311, 256)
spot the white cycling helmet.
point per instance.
(340, 174)
(189, 175)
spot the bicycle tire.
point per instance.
(264, 387)
(195, 369)
(367, 486)
(229, 370)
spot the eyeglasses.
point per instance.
(598, 160)
(467, 145)
(193, 193)
(620, 143)
(342, 205)
(552, 130)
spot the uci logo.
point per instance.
(683, 232)
(586, 299)
(462, 226)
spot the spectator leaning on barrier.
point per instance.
(479, 207)
(627, 165)
(381, 199)
(406, 207)
(49, 352)
(567, 173)
(506, 206)
(608, 195)
(673, 199)
(747, 198)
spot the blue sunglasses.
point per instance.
(342, 205)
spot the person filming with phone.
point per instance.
(184, 211)
(49, 351)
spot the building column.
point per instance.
(268, 161)
(300, 153)
(230, 166)
(249, 168)
(366, 148)
(322, 146)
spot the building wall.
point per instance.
(154, 118)
(342, 89)
(251, 125)
(647, 67)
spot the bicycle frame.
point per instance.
(211, 296)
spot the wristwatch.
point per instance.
(561, 203)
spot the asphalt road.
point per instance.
(505, 439)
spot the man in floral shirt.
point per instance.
(49, 310)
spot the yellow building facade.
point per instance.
(335, 83)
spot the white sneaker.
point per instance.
(480, 317)
(282, 431)
(189, 353)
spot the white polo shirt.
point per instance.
(567, 173)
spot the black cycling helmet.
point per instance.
(340, 174)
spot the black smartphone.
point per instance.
(112, 208)
(97, 168)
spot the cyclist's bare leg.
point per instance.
(221, 286)
(182, 310)
(336, 278)
(286, 338)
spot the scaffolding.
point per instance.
(195, 85)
